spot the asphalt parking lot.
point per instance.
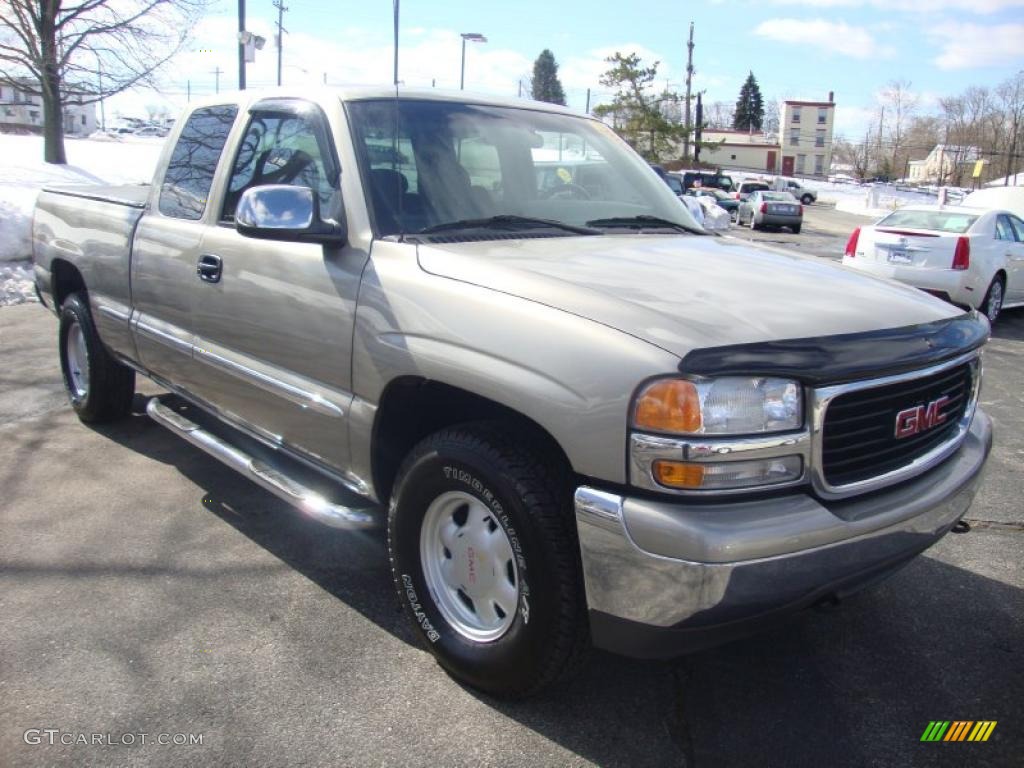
(146, 589)
(824, 232)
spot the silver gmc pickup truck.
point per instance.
(488, 326)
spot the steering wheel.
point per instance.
(567, 190)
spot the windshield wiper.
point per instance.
(643, 221)
(509, 222)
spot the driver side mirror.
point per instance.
(284, 212)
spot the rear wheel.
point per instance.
(993, 300)
(99, 387)
(486, 562)
(753, 222)
(796, 228)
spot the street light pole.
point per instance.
(473, 37)
(241, 45)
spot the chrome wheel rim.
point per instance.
(469, 566)
(78, 361)
(995, 301)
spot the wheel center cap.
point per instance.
(474, 569)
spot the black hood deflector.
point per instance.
(823, 360)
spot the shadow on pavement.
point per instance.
(852, 686)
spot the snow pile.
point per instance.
(24, 173)
(16, 286)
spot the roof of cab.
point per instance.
(367, 92)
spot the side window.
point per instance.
(189, 176)
(1004, 230)
(278, 149)
(1018, 227)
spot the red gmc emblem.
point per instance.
(912, 421)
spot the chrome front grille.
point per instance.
(856, 444)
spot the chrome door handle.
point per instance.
(209, 268)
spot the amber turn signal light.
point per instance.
(677, 474)
(668, 405)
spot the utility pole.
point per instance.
(188, 90)
(216, 81)
(689, 79)
(881, 127)
(241, 45)
(520, 87)
(587, 110)
(698, 127)
(281, 8)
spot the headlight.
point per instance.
(732, 405)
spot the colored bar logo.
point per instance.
(958, 730)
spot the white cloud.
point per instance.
(831, 36)
(911, 6)
(425, 56)
(966, 46)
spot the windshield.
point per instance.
(936, 221)
(430, 163)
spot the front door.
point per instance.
(770, 165)
(787, 165)
(274, 334)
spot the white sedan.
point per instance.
(968, 256)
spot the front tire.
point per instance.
(806, 199)
(486, 562)
(993, 303)
(99, 388)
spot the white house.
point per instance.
(944, 164)
(21, 109)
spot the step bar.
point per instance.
(290, 490)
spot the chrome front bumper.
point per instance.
(664, 577)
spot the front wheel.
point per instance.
(99, 387)
(806, 199)
(993, 301)
(486, 561)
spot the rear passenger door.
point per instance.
(1015, 263)
(274, 332)
(166, 246)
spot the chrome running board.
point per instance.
(286, 487)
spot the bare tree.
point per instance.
(900, 104)
(87, 50)
(856, 155)
(1011, 100)
(719, 115)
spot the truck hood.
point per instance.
(686, 292)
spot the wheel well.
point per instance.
(65, 279)
(412, 408)
(1001, 277)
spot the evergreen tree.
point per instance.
(749, 107)
(545, 85)
(638, 113)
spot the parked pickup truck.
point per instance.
(583, 420)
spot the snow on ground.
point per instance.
(16, 286)
(23, 173)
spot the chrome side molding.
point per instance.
(270, 478)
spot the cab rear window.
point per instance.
(935, 221)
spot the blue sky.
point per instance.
(796, 48)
